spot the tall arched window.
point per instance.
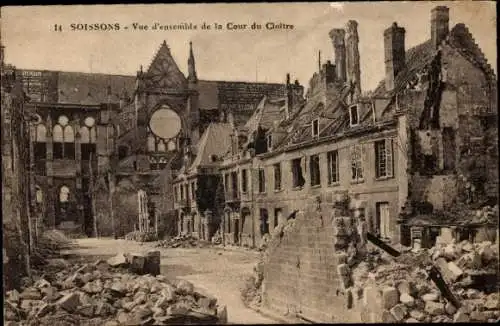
(63, 205)
(64, 194)
(41, 133)
(40, 142)
(69, 142)
(161, 145)
(88, 139)
(171, 145)
(84, 135)
(63, 137)
(58, 139)
(39, 195)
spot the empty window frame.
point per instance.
(314, 170)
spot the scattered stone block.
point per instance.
(412, 320)
(417, 314)
(117, 261)
(478, 316)
(434, 308)
(432, 296)
(450, 308)
(185, 287)
(137, 261)
(86, 310)
(492, 302)
(31, 294)
(390, 297)
(69, 302)
(372, 296)
(461, 317)
(455, 271)
(13, 296)
(222, 315)
(399, 312)
(388, 318)
(44, 309)
(405, 287)
(407, 299)
(152, 264)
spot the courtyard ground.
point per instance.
(215, 271)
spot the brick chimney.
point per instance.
(337, 35)
(394, 49)
(352, 57)
(440, 19)
(289, 97)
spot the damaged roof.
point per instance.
(419, 57)
(82, 88)
(214, 141)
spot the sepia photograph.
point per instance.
(250, 163)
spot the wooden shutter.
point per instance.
(389, 157)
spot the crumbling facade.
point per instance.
(429, 116)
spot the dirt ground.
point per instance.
(215, 271)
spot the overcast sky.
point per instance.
(265, 55)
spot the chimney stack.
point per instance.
(352, 57)
(394, 49)
(288, 97)
(440, 18)
(337, 35)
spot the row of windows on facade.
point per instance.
(185, 191)
(63, 139)
(383, 169)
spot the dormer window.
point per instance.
(269, 141)
(315, 128)
(353, 115)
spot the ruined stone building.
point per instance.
(93, 139)
(421, 142)
(17, 239)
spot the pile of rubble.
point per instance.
(105, 293)
(407, 293)
(140, 236)
(182, 241)
(217, 238)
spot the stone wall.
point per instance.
(306, 271)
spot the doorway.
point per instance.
(236, 231)
(383, 220)
(277, 217)
(264, 223)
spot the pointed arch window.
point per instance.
(84, 135)
(63, 138)
(38, 195)
(161, 146)
(171, 146)
(58, 139)
(41, 133)
(40, 142)
(87, 146)
(69, 143)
